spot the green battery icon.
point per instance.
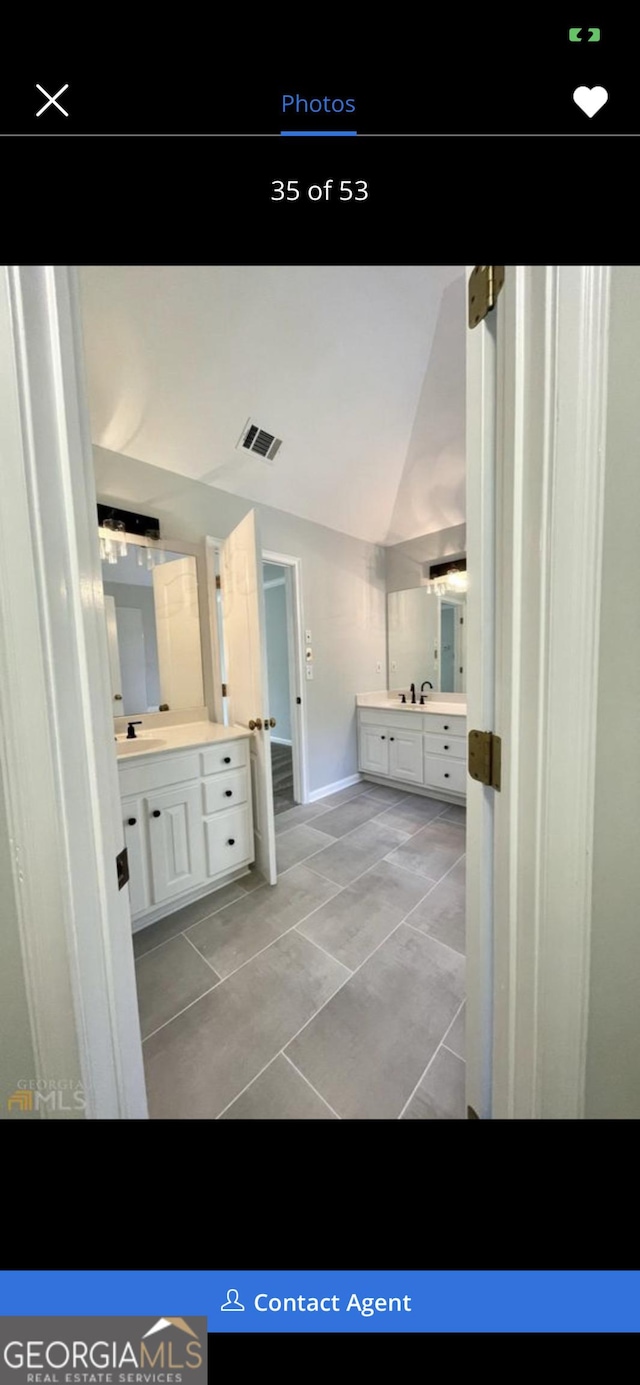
(578, 35)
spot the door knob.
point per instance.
(256, 725)
(117, 697)
(272, 721)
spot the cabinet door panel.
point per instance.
(133, 818)
(177, 841)
(405, 755)
(374, 749)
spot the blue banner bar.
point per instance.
(341, 1300)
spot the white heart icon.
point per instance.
(590, 99)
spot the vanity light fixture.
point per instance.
(448, 577)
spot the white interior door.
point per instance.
(175, 591)
(114, 656)
(132, 659)
(246, 664)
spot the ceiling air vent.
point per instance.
(255, 439)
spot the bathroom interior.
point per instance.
(279, 458)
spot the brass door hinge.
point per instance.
(218, 581)
(485, 753)
(225, 690)
(485, 283)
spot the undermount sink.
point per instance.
(140, 744)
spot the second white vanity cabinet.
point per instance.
(426, 749)
(188, 823)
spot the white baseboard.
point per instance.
(279, 740)
(334, 788)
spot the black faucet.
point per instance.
(413, 694)
(131, 735)
(426, 684)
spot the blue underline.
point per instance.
(307, 133)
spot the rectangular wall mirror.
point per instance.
(426, 638)
(153, 629)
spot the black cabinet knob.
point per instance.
(446, 747)
(156, 813)
(383, 738)
(131, 822)
(231, 841)
(446, 775)
(227, 760)
(392, 738)
(228, 793)
(446, 728)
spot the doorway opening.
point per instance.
(279, 683)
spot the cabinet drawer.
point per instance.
(228, 840)
(436, 724)
(225, 755)
(224, 790)
(447, 774)
(453, 746)
(158, 772)
(374, 716)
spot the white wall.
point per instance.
(431, 494)
(16, 1050)
(613, 1042)
(275, 607)
(343, 593)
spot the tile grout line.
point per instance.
(296, 928)
(339, 890)
(433, 1055)
(434, 939)
(386, 809)
(309, 1084)
(200, 954)
(453, 1052)
(180, 1012)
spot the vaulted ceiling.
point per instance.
(359, 369)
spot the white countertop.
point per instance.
(431, 705)
(175, 738)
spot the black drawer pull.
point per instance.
(446, 775)
(227, 760)
(156, 813)
(131, 822)
(231, 841)
(228, 793)
(392, 738)
(446, 728)
(383, 738)
(446, 747)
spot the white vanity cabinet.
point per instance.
(426, 750)
(188, 824)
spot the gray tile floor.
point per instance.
(337, 993)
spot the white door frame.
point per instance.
(552, 335)
(297, 678)
(59, 772)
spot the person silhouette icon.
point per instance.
(232, 1303)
